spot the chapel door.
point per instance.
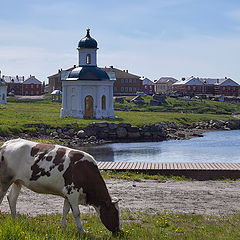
(88, 107)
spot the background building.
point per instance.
(126, 83)
(164, 85)
(32, 87)
(14, 84)
(54, 81)
(214, 86)
(147, 86)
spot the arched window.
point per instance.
(103, 102)
(88, 58)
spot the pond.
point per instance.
(219, 146)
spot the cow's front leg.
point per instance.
(3, 190)
(66, 209)
(12, 198)
(73, 201)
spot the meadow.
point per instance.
(144, 225)
(136, 225)
(15, 115)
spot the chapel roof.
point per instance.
(90, 73)
(87, 41)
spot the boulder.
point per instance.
(121, 132)
(81, 134)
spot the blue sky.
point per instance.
(153, 38)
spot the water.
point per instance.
(222, 146)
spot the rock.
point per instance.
(81, 134)
(119, 100)
(134, 134)
(121, 132)
(92, 139)
(181, 135)
(112, 126)
(138, 100)
(42, 130)
(54, 134)
(59, 130)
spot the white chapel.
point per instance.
(3, 91)
(87, 91)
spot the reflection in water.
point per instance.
(222, 146)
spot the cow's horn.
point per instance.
(116, 200)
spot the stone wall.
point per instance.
(98, 133)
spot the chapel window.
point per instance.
(88, 58)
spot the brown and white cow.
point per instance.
(58, 170)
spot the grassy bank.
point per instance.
(15, 115)
(135, 225)
(185, 105)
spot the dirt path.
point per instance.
(200, 197)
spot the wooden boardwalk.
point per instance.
(201, 171)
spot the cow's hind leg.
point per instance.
(73, 201)
(12, 198)
(66, 209)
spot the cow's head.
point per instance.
(110, 215)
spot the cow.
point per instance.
(58, 170)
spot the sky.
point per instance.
(154, 38)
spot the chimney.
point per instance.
(23, 78)
(74, 65)
(111, 66)
(0, 74)
(59, 71)
(225, 77)
(183, 79)
(127, 71)
(217, 80)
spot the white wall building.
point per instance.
(87, 89)
(3, 91)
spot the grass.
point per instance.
(135, 225)
(15, 115)
(137, 176)
(183, 105)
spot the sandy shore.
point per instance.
(200, 197)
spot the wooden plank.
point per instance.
(99, 164)
(137, 166)
(130, 167)
(231, 166)
(191, 166)
(144, 165)
(205, 166)
(120, 165)
(238, 165)
(235, 166)
(149, 166)
(134, 165)
(104, 165)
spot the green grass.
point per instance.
(182, 105)
(137, 176)
(135, 225)
(15, 115)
